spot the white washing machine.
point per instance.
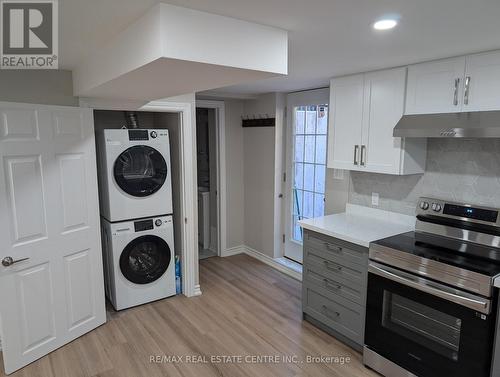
(139, 260)
(134, 173)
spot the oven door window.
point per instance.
(435, 330)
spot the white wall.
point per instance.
(259, 173)
(259, 188)
(336, 192)
(48, 87)
(235, 189)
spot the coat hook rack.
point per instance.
(258, 120)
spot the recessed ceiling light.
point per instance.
(385, 24)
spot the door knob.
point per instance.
(9, 261)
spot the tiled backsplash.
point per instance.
(463, 170)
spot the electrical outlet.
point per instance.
(375, 197)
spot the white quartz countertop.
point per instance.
(361, 225)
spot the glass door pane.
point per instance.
(309, 164)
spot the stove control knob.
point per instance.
(158, 222)
(424, 205)
(436, 207)
(153, 134)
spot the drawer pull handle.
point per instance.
(328, 283)
(327, 311)
(336, 249)
(332, 267)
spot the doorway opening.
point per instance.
(206, 158)
(181, 128)
(210, 174)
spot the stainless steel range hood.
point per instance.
(481, 124)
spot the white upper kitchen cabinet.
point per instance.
(384, 103)
(364, 111)
(435, 87)
(482, 78)
(463, 84)
(346, 99)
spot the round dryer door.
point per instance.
(145, 259)
(140, 170)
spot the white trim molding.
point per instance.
(274, 263)
(197, 290)
(189, 190)
(240, 249)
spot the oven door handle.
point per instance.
(435, 289)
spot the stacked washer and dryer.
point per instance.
(135, 192)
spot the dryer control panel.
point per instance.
(142, 225)
(135, 135)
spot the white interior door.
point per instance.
(54, 290)
(307, 128)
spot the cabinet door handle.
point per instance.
(467, 90)
(332, 267)
(329, 311)
(363, 153)
(356, 148)
(328, 284)
(335, 249)
(455, 96)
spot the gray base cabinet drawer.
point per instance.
(336, 249)
(334, 285)
(341, 315)
(319, 260)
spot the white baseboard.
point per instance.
(273, 263)
(197, 290)
(233, 251)
(243, 249)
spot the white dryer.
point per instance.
(134, 173)
(139, 260)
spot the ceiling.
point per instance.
(326, 37)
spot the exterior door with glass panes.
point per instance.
(306, 134)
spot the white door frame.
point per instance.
(189, 190)
(302, 98)
(219, 108)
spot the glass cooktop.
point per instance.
(467, 255)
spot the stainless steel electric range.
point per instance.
(431, 301)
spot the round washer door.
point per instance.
(145, 259)
(140, 170)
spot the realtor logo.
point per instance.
(29, 37)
